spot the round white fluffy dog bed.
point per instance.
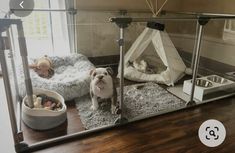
(71, 76)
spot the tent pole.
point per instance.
(201, 22)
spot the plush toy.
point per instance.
(38, 102)
(43, 67)
(45, 102)
(140, 65)
(50, 103)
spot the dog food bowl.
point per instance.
(217, 79)
(203, 83)
(43, 119)
(209, 87)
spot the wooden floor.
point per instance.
(173, 132)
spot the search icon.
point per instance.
(212, 133)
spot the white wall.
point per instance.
(212, 48)
(96, 36)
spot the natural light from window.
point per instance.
(46, 32)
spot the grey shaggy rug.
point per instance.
(71, 78)
(140, 101)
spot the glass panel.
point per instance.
(10, 65)
(160, 59)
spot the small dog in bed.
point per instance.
(102, 86)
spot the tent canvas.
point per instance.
(164, 49)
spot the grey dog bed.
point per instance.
(71, 78)
(140, 101)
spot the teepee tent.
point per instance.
(163, 54)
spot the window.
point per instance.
(229, 30)
(46, 32)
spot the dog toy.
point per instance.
(46, 102)
(38, 102)
(140, 65)
(43, 67)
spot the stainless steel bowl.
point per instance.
(203, 83)
(217, 79)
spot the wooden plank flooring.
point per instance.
(169, 133)
(174, 133)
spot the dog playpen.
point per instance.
(193, 87)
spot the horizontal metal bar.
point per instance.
(81, 10)
(113, 10)
(155, 19)
(10, 21)
(45, 10)
(197, 13)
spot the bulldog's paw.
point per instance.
(115, 110)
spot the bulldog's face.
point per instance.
(101, 76)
